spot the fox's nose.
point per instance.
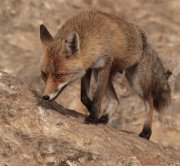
(46, 97)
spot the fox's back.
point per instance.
(102, 33)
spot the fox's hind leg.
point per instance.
(113, 102)
(140, 79)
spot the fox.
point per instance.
(102, 44)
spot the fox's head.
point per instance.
(60, 64)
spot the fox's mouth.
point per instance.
(54, 98)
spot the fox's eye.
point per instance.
(58, 76)
(44, 75)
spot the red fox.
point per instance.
(103, 44)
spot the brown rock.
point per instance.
(34, 132)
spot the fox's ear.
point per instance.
(72, 43)
(45, 35)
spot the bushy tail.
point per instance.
(161, 92)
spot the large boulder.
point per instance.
(34, 132)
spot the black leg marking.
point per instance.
(146, 133)
(104, 119)
(85, 83)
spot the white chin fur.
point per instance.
(53, 95)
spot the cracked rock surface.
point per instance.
(34, 132)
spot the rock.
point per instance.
(34, 132)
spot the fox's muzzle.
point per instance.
(52, 96)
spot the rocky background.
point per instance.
(20, 51)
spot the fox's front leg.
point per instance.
(103, 76)
(85, 83)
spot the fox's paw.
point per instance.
(91, 120)
(104, 119)
(146, 133)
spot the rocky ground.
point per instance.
(20, 51)
(35, 133)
